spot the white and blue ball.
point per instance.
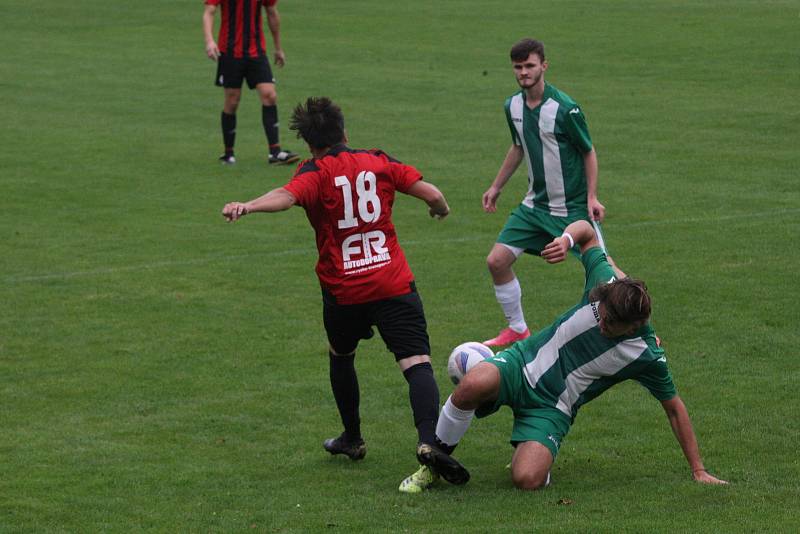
(464, 357)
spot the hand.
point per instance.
(597, 212)
(436, 214)
(212, 50)
(234, 211)
(704, 477)
(490, 199)
(280, 58)
(556, 250)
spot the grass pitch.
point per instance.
(163, 371)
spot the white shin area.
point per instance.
(509, 296)
(453, 423)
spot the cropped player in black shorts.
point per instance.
(241, 55)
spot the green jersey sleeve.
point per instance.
(576, 129)
(598, 270)
(658, 380)
(514, 136)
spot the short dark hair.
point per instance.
(625, 301)
(525, 47)
(319, 122)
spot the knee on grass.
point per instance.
(529, 480)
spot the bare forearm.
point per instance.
(274, 24)
(508, 167)
(208, 23)
(682, 428)
(276, 200)
(431, 195)
(619, 272)
(590, 168)
(438, 206)
(582, 233)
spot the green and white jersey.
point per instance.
(555, 138)
(570, 363)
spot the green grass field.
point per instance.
(163, 371)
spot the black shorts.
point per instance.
(400, 321)
(231, 71)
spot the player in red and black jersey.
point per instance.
(348, 195)
(241, 54)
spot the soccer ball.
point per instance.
(464, 357)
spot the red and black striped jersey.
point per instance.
(241, 31)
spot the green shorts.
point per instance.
(532, 421)
(532, 229)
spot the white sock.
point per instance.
(453, 423)
(509, 296)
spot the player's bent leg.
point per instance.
(530, 466)
(452, 425)
(483, 386)
(479, 386)
(508, 293)
(499, 262)
(267, 94)
(232, 97)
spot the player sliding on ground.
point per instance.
(605, 339)
(348, 196)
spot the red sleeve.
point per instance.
(404, 175)
(213, 2)
(304, 187)
(267, 3)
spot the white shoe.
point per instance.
(283, 157)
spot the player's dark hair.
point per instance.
(625, 301)
(525, 47)
(319, 122)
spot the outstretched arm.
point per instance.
(682, 428)
(510, 163)
(432, 197)
(276, 200)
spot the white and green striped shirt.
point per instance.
(570, 363)
(554, 137)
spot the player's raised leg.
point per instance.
(508, 292)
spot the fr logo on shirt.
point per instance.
(368, 245)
